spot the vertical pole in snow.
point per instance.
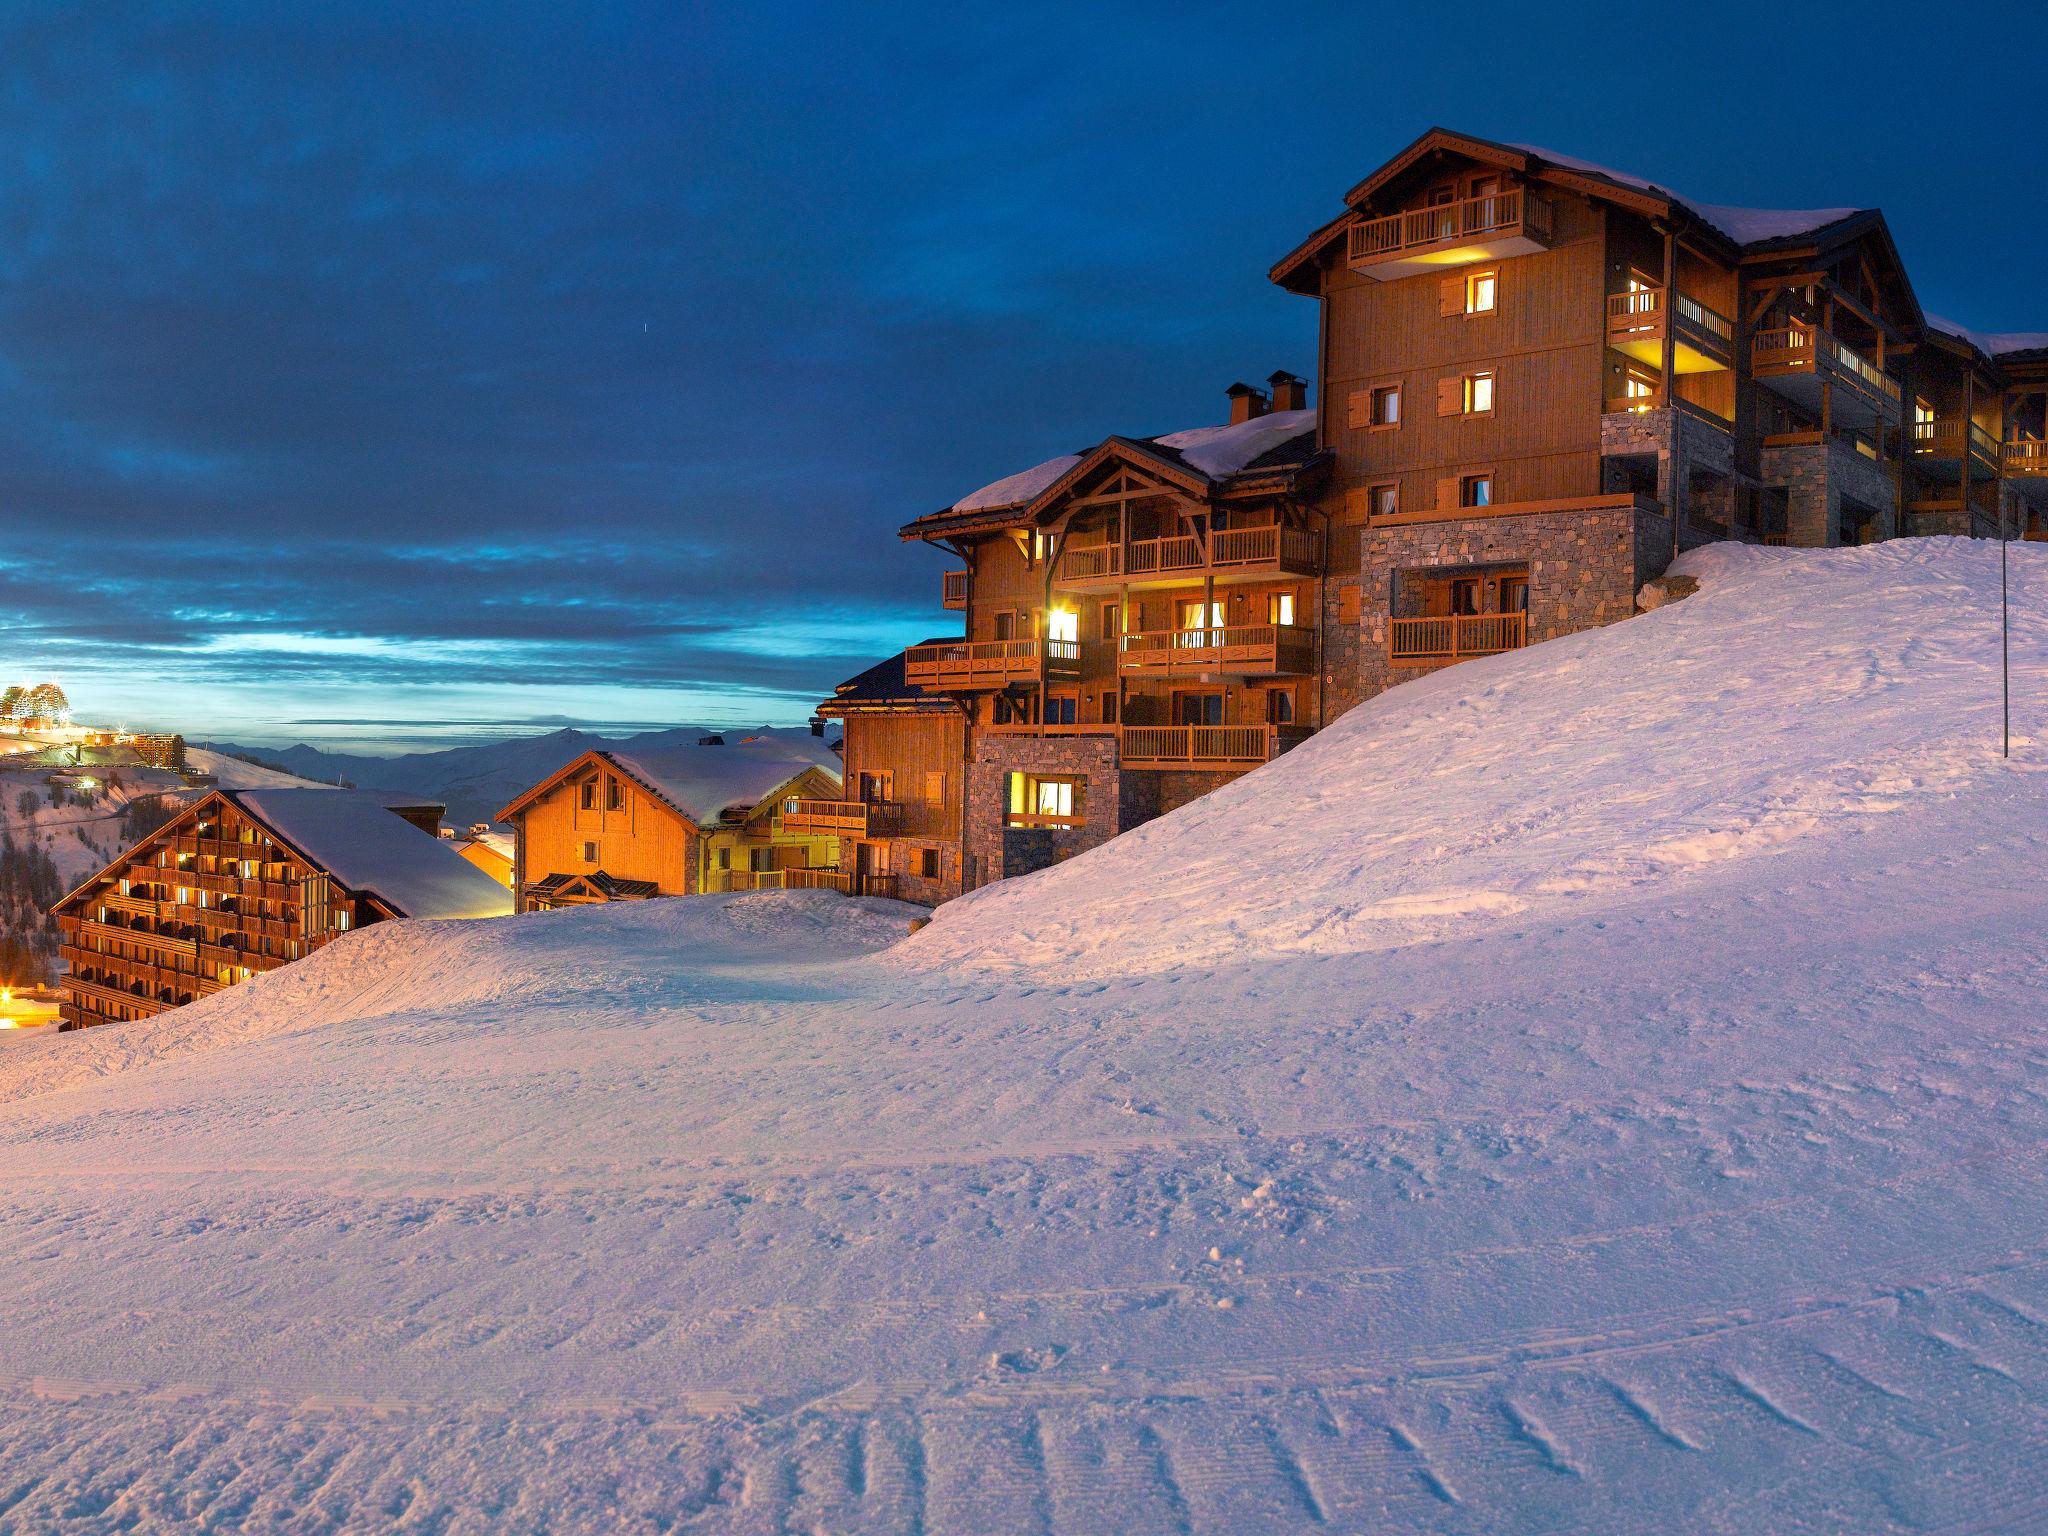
(2004, 629)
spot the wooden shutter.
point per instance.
(1358, 502)
(1450, 295)
(1360, 408)
(1347, 604)
(1447, 492)
(1450, 396)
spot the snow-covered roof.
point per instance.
(706, 782)
(1745, 226)
(1217, 452)
(1993, 343)
(358, 839)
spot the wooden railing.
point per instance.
(955, 595)
(1296, 551)
(1942, 438)
(1175, 552)
(1293, 549)
(1802, 348)
(819, 880)
(2024, 456)
(840, 818)
(1457, 636)
(988, 663)
(1773, 540)
(1514, 211)
(1243, 647)
(1639, 315)
(1205, 745)
(1091, 562)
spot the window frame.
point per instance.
(1470, 487)
(1489, 275)
(1389, 389)
(1372, 491)
(1478, 378)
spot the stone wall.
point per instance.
(1112, 802)
(1684, 446)
(1585, 567)
(1816, 476)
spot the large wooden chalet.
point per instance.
(244, 881)
(669, 821)
(1539, 380)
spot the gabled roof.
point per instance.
(598, 883)
(358, 838)
(1202, 460)
(1748, 230)
(700, 786)
(1996, 345)
(885, 687)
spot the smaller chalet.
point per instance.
(245, 881)
(672, 821)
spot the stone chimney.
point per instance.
(1245, 403)
(1290, 393)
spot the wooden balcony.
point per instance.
(1702, 339)
(1243, 553)
(2026, 460)
(1939, 445)
(1515, 222)
(1796, 360)
(1247, 650)
(967, 666)
(1205, 746)
(955, 595)
(842, 818)
(142, 939)
(1426, 642)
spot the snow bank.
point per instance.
(1797, 694)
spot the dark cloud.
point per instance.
(559, 348)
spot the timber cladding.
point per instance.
(597, 819)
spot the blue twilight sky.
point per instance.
(512, 361)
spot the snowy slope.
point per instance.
(1666, 1193)
(1746, 718)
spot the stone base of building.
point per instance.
(1833, 494)
(1109, 800)
(1583, 567)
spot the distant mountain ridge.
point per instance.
(474, 782)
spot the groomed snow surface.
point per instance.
(1646, 1137)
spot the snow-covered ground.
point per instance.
(1649, 1141)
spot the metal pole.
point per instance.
(2004, 625)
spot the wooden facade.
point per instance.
(605, 828)
(1538, 382)
(217, 895)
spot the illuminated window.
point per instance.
(1386, 406)
(1038, 801)
(1640, 389)
(1481, 289)
(1475, 491)
(1479, 394)
(1062, 624)
(1280, 608)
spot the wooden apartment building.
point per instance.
(1538, 380)
(244, 881)
(671, 821)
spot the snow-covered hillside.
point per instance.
(1688, 1182)
(1802, 695)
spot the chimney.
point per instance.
(1245, 403)
(1290, 393)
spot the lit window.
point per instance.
(1280, 608)
(1062, 624)
(1386, 406)
(1480, 291)
(1475, 491)
(1040, 802)
(1478, 394)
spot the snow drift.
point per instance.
(1796, 695)
(1611, 1103)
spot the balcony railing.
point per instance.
(841, 818)
(1457, 636)
(1282, 550)
(989, 663)
(1205, 746)
(956, 590)
(819, 880)
(1942, 438)
(1248, 648)
(2024, 456)
(1635, 323)
(1801, 349)
(1476, 221)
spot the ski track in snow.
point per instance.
(1703, 1196)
